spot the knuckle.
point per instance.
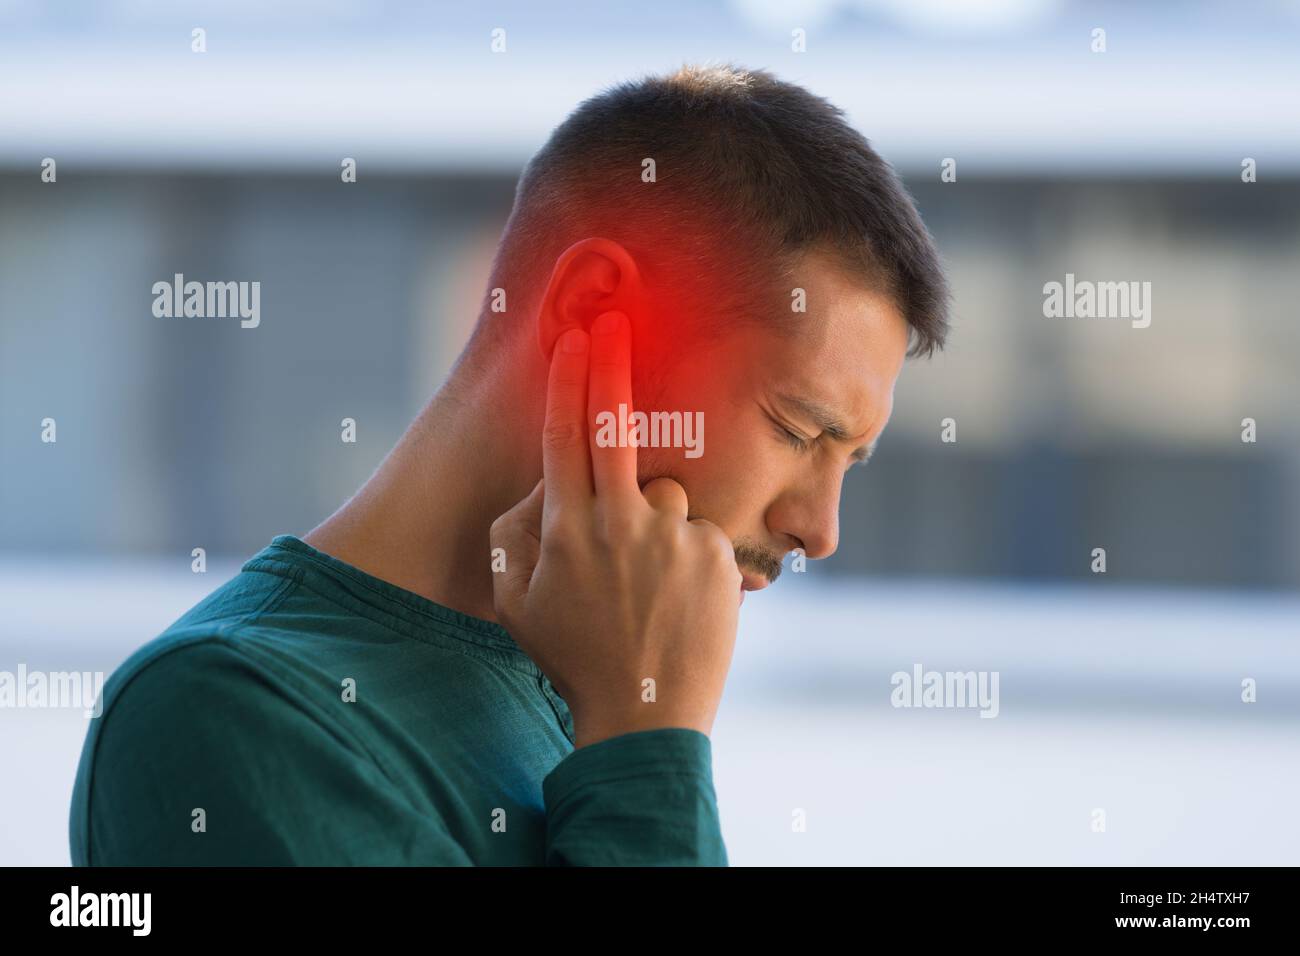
(716, 543)
(669, 548)
(558, 548)
(561, 436)
(669, 525)
(556, 528)
(560, 535)
(618, 526)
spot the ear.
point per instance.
(590, 277)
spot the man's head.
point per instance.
(775, 271)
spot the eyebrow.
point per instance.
(830, 423)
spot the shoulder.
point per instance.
(189, 722)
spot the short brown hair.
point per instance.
(750, 171)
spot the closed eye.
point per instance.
(794, 440)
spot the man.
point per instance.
(509, 646)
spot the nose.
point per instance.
(811, 515)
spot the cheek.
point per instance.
(734, 478)
(732, 484)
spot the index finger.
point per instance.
(609, 404)
(566, 462)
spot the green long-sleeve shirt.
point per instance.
(309, 713)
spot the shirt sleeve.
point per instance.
(639, 799)
(199, 728)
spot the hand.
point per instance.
(608, 585)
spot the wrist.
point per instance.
(589, 729)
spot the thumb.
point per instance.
(518, 533)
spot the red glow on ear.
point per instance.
(673, 304)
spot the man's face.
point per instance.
(784, 418)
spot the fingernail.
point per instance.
(607, 323)
(574, 342)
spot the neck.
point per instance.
(421, 522)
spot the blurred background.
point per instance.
(1119, 691)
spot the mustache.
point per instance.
(759, 560)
